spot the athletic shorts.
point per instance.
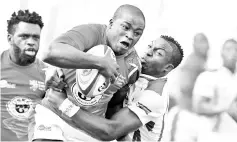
(49, 125)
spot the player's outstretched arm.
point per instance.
(120, 124)
(128, 119)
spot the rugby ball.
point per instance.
(90, 82)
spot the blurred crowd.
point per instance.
(203, 107)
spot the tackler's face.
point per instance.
(124, 32)
(157, 57)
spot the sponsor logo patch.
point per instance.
(5, 84)
(36, 85)
(20, 107)
(44, 128)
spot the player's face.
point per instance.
(157, 57)
(124, 32)
(229, 53)
(201, 44)
(25, 42)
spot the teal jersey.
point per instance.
(88, 36)
(22, 87)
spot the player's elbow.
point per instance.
(106, 137)
(48, 55)
(110, 133)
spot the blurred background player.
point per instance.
(146, 106)
(214, 92)
(180, 126)
(22, 75)
(232, 110)
(68, 51)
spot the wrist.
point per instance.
(59, 100)
(99, 63)
(68, 108)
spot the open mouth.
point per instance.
(125, 44)
(30, 52)
(143, 62)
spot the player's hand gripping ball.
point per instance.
(90, 82)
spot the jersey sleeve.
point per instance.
(149, 106)
(82, 37)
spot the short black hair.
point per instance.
(128, 7)
(177, 55)
(23, 16)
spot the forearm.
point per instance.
(66, 56)
(111, 110)
(122, 123)
(98, 127)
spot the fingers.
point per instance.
(55, 84)
(54, 79)
(112, 79)
(60, 73)
(114, 74)
(109, 75)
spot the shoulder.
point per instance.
(134, 65)
(41, 66)
(152, 100)
(4, 56)
(205, 84)
(207, 75)
(132, 57)
(89, 27)
(157, 85)
(4, 53)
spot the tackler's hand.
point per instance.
(55, 98)
(54, 79)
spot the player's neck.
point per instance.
(17, 60)
(231, 68)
